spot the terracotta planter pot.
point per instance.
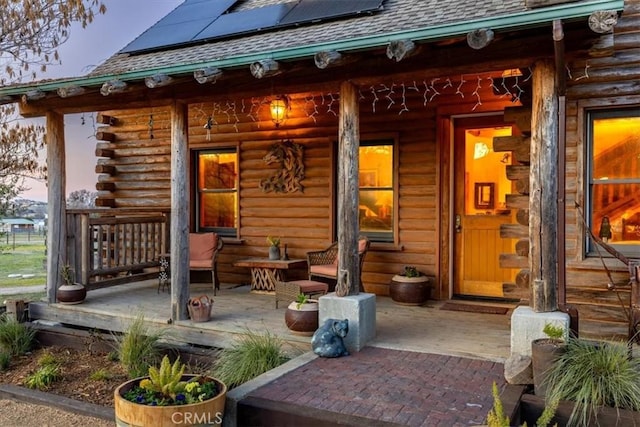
(71, 294)
(209, 412)
(303, 320)
(410, 290)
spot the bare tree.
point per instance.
(32, 31)
(82, 199)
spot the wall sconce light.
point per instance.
(279, 107)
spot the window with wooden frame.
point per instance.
(216, 177)
(377, 190)
(613, 181)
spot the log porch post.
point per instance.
(543, 212)
(179, 213)
(348, 158)
(56, 208)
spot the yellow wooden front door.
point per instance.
(480, 189)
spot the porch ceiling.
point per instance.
(438, 27)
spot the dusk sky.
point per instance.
(85, 49)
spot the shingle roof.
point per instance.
(397, 16)
(416, 20)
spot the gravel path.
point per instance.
(21, 414)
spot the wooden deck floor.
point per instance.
(423, 329)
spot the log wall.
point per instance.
(597, 82)
(134, 163)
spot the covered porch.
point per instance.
(427, 329)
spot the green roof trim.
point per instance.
(529, 18)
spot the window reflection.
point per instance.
(615, 176)
(217, 190)
(376, 190)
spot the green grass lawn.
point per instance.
(22, 261)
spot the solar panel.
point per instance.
(181, 24)
(246, 21)
(315, 10)
(203, 20)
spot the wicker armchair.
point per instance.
(289, 291)
(324, 264)
(203, 254)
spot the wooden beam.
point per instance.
(69, 91)
(105, 202)
(330, 59)
(113, 86)
(105, 186)
(105, 136)
(479, 38)
(513, 261)
(348, 282)
(56, 205)
(104, 119)
(520, 116)
(33, 95)
(207, 75)
(108, 169)
(265, 68)
(513, 231)
(517, 201)
(522, 247)
(179, 212)
(543, 208)
(603, 21)
(105, 152)
(158, 80)
(401, 49)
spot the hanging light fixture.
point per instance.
(279, 107)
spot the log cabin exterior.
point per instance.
(434, 128)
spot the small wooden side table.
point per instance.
(260, 267)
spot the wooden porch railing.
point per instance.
(107, 247)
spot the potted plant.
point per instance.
(301, 316)
(168, 396)
(274, 247)
(544, 353)
(592, 383)
(410, 287)
(70, 292)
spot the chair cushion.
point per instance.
(309, 286)
(201, 246)
(324, 270)
(200, 263)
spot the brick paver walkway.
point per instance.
(407, 388)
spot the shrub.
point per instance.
(5, 360)
(100, 375)
(43, 377)
(47, 359)
(553, 332)
(594, 375)
(250, 356)
(15, 338)
(138, 348)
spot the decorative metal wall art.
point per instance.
(287, 179)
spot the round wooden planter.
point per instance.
(409, 290)
(303, 320)
(71, 294)
(209, 412)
